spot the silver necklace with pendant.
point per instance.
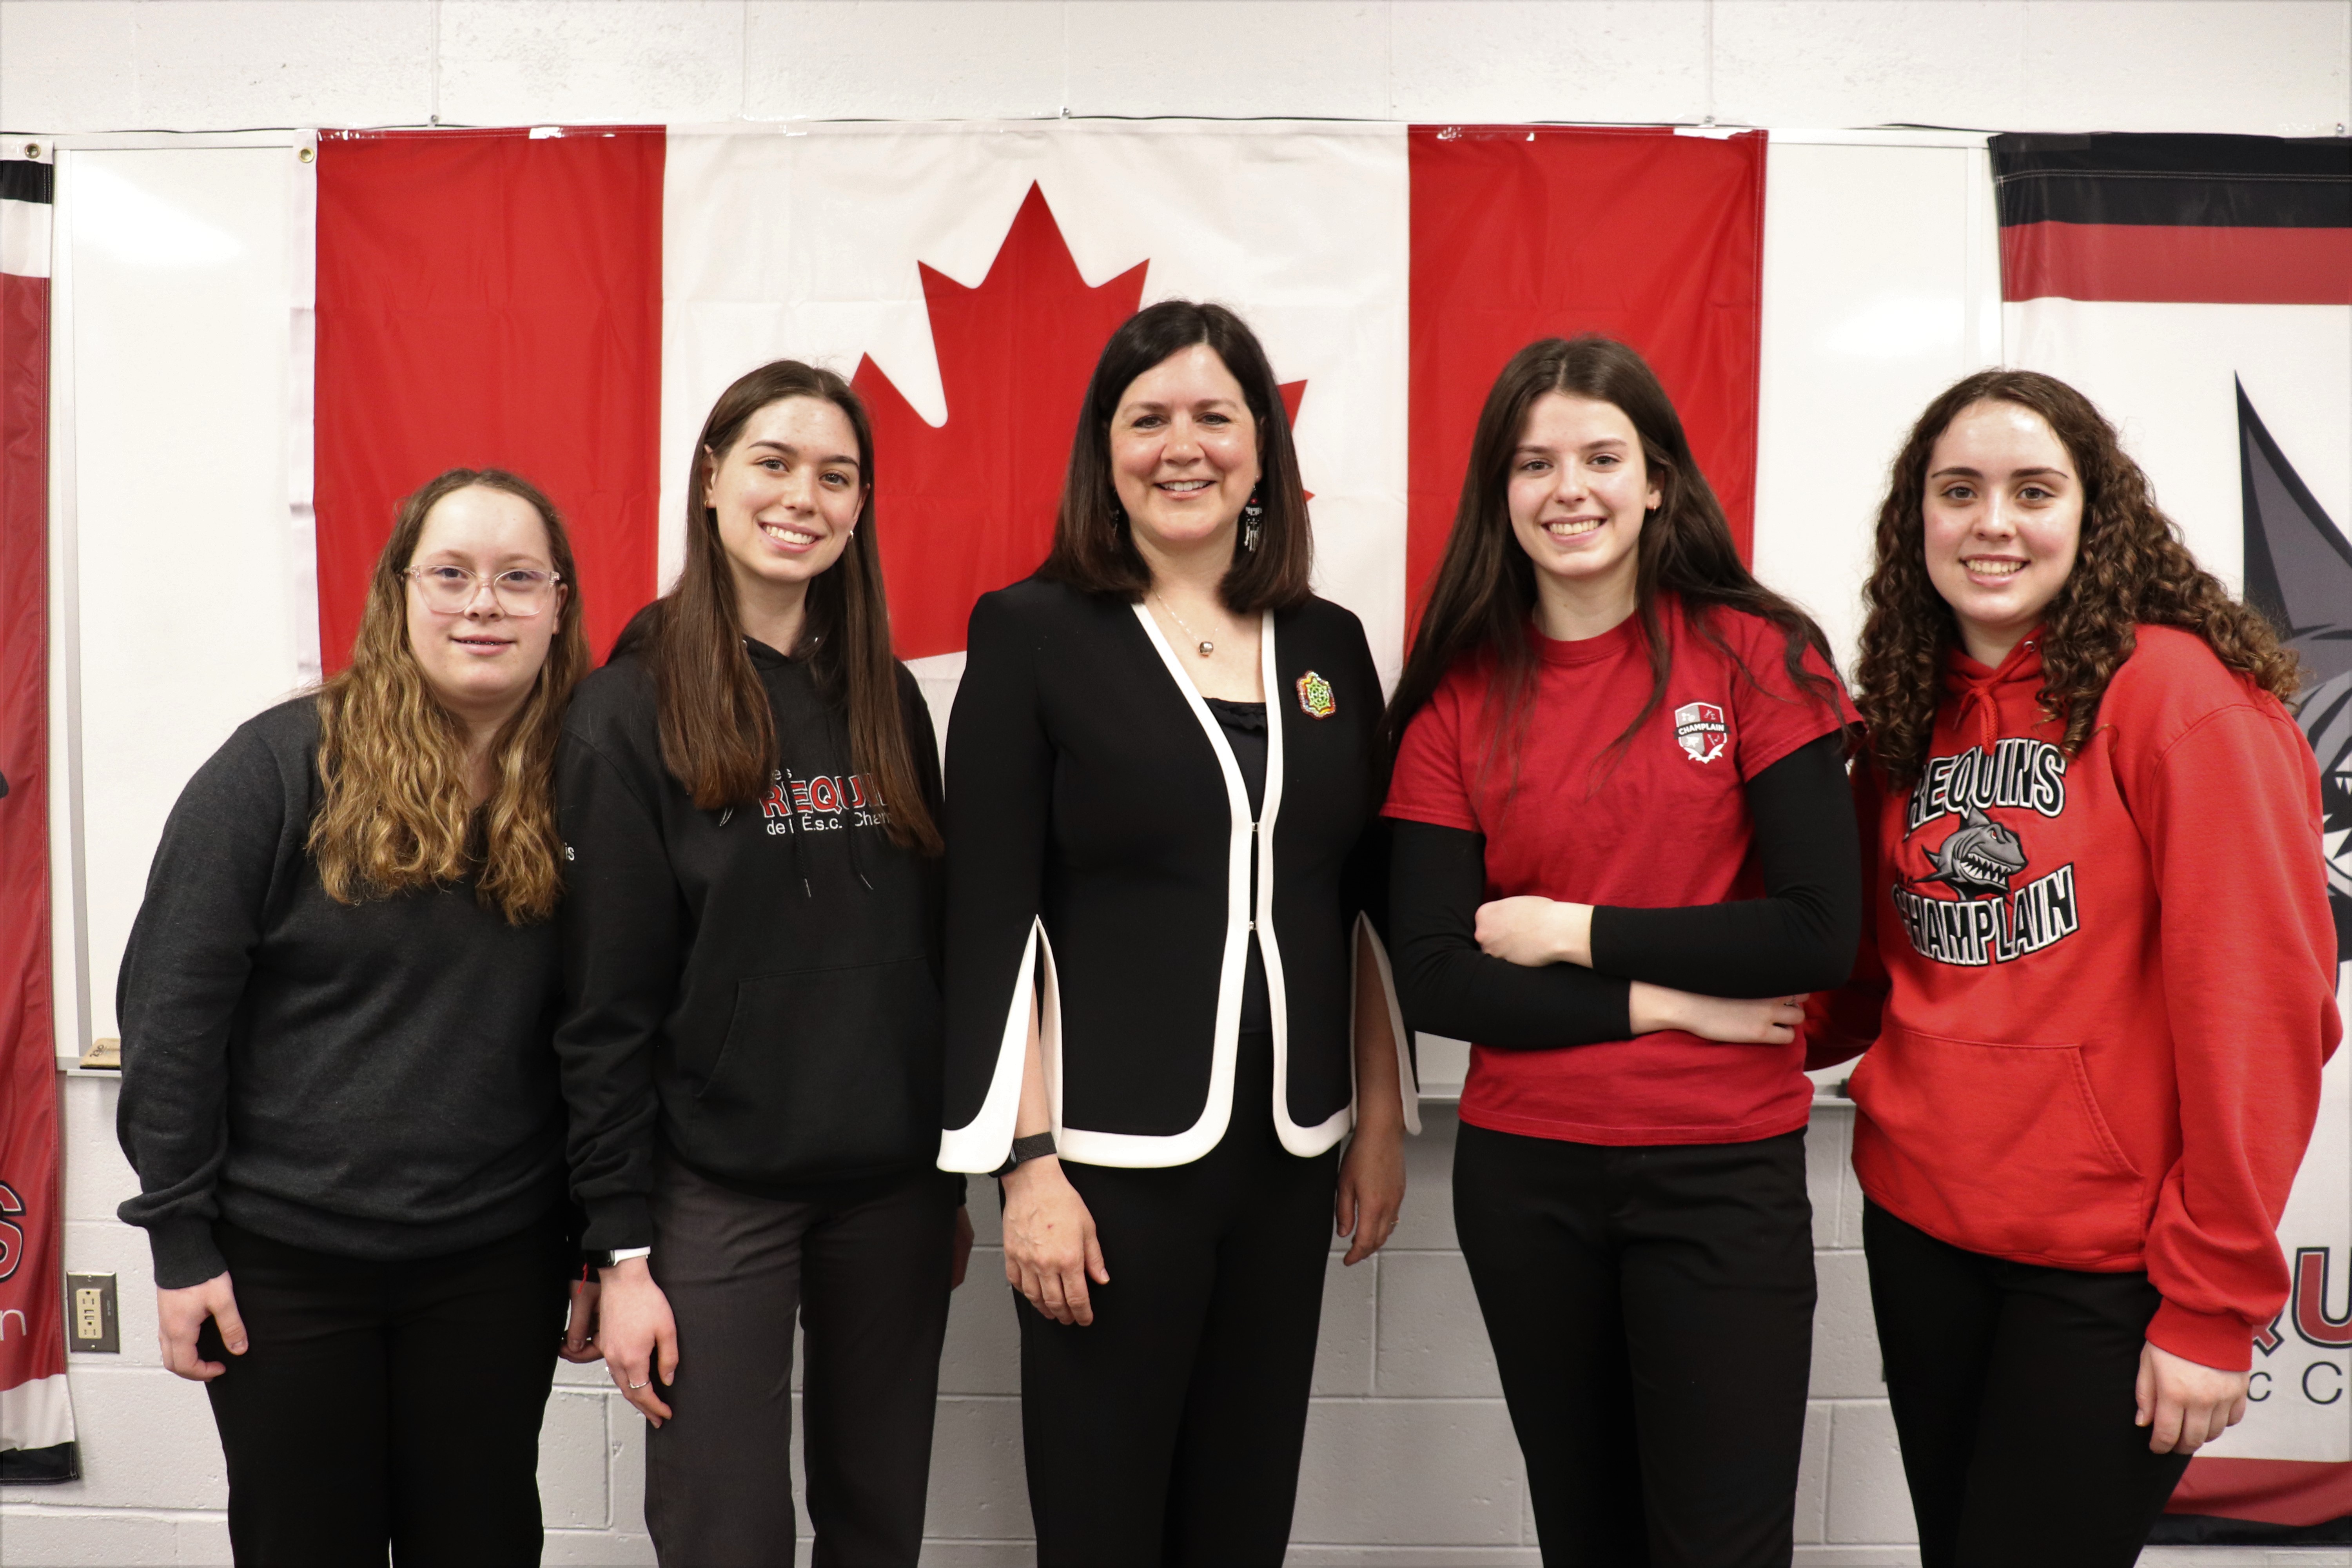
(1207, 647)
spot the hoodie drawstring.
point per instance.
(1978, 696)
(800, 865)
(1977, 691)
(856, 853)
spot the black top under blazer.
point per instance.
(1100, 851)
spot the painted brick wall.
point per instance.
(1410, 1457)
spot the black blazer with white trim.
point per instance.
(1100, 852)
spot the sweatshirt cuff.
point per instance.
(618, 1223)
(2222, 1341)
(185, 1253)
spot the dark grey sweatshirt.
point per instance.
(373, 1080)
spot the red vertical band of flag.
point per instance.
(489, 298)
(1522, 233)
(31, 1293)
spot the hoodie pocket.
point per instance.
(818, 1071)
(2002, 1146)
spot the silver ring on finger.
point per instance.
(634, 1386)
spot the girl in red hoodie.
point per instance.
(2096, 984)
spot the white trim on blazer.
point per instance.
(979, 1144)
(1407, 1081)
(982, 1144)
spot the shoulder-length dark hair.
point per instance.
(2130, 569)
(1093, 550)
(1483, 599)
(394, 812)
(717, 732)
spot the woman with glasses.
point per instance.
(339, 1090)
(750, 795)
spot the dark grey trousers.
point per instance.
(865, 1267)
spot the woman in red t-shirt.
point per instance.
(1620, 797)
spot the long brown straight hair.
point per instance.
(394, 814)
(718, 734)
(1482, 600)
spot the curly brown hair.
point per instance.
(2130, 569)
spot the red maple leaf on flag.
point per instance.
(967, 506)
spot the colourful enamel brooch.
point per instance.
(1315, 699)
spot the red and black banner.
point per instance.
(2256, 220)
(2181, 280)
(36, 1419)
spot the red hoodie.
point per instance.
(2096, 992)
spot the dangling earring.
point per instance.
(1117, 512)
(1252, 514)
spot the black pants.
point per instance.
(1652, 1314)
(2013, 1392)
(866, 1266)
(1168, 1431)
(384, 1403)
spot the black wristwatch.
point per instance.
(1036, 1146)
(613, 1258)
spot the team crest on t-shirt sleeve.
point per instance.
(1700, 727)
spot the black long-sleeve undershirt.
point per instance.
(1800, 936)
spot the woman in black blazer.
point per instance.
(1168, 1002)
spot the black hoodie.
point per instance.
(754, 989)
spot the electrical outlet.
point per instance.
(90, 1324)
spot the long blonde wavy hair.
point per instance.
(397, 813)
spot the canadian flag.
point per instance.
(569, 303)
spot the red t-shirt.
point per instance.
(1660, 823)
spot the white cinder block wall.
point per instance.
(1410, 1457)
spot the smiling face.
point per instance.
(1183, 451)
(1578, 491)
(2004, 518)
(480, 661)
(787, 493)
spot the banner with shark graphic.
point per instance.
(2200, 290)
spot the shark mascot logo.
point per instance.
(1979, 858)
(1988, 917)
